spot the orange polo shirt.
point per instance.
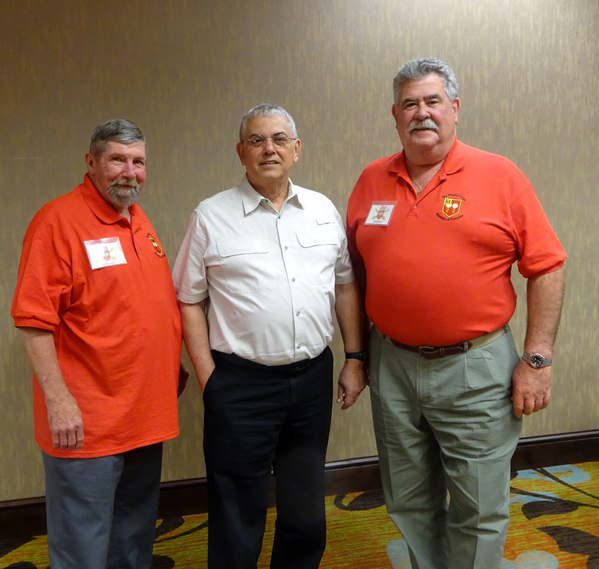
(117, 328)
(438, 265)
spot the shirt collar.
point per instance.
(251, 199)
(101, 208)
(454, 161)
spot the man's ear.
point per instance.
(90, 161)
(241, 151)
(456, 108)
(296, 150)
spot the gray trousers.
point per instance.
(446, 425)
(101, 512)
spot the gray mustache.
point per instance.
(426, 123)
(125, 183)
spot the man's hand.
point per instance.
(352, 382)
(204, 374)
(66, 423)
(197, 343)
(183, 377)
(64, 416)
(531, 388)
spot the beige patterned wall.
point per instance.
(185, 71)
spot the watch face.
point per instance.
(537, 360)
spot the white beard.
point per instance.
(124, 193)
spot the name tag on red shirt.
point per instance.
(380, 213)
(105, 252)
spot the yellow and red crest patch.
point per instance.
(157, 248)
(451, 206)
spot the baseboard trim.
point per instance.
(21, 518)
(553, 450)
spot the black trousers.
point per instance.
(259, 418)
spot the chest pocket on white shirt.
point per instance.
(319, 252)
(246, 265)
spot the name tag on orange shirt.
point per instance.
(380, 213)
(105, 252)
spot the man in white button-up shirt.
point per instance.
(260, 270)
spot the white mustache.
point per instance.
(426, 123)
(123, 182)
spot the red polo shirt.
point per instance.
(117, 328)
(438, 265)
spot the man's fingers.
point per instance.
(546, 400)
(531, 389)
(541, 403)
(79, 439)
(68, 438)
(529, 405)
(71, 440)
(340, 393)
(350, 399)
(518, 404)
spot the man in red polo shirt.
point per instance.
(96, 307)
(433, 232)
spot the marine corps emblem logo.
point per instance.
(451, 206)
(157, 248)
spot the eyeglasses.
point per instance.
(258, 141)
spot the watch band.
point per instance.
(356, 356)
(536, 361)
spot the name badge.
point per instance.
(105, 252)
(380, 213)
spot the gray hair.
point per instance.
(114, 130)
(268, 110)
(419, 68)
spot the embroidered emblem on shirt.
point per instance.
(157, 248)
(451, 208)
(380, 213)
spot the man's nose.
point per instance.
(421, 113)
(269, 146)
(129, 170)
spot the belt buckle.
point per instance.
(426, 354)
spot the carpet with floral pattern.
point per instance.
(554, 523)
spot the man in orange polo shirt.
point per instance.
(96, 307)
(433, 232)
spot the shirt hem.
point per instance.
(57, 453)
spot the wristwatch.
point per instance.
(536, 361)
(356, 356)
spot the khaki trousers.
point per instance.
(446, 425)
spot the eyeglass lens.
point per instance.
(257, 141)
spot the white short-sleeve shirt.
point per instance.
(270, 276)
